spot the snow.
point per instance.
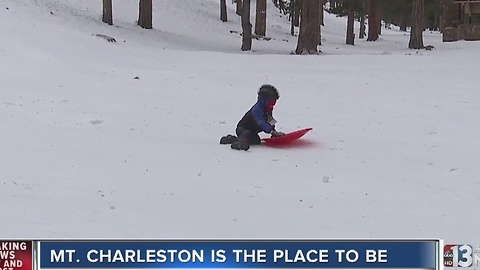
(89, 151)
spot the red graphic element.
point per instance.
(16, 255)
(448, 255)
(288, 138)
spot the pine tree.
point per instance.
(261, 18)
(239, 8)
(223, 10)
(246, 27)
(145, 14)
(418, 25)
(308, 38)
(107, 12)
(350, 22)
(374, 19)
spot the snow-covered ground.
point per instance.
(89, 151)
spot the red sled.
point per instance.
(288, 138)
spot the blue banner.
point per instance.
(239, 254)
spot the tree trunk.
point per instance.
(449, 15)
(418, 25)
(281, 5)
(107, 12)
(246, 26)
(362, 27)
(308, 36)
(321, 11)
(350, 40)
(292, 15)
(239, 7)
(379, 16)
(261, 18)
(333, 4)
(145, 14)
(437, 22)
(403, 23)
(320, 20)
(298, 11)
(405, 15)
(223, 10)
(373, 20)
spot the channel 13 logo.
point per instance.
(461, 255)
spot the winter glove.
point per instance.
(277, 133)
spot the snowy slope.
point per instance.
(89, 151)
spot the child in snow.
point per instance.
(259, 118)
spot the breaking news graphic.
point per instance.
(16, 255)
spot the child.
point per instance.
(259, 118)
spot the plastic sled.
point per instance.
(288, 138)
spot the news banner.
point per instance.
(236, 254)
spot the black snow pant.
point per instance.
(247, 135)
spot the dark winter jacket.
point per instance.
(256, 119)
